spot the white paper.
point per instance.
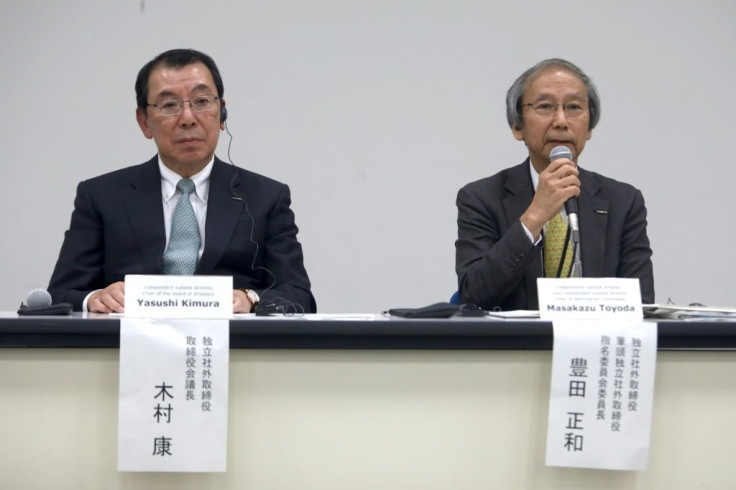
(513, 314)
(676, 312)
(173, 395)
(311, 316)
(601, 394)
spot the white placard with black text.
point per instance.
(589, 298)
(167, 296)
(601, 394)
(173, 395)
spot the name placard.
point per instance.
(589, 298)
(602, 394)
(173, 407)
(161, 296)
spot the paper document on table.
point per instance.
(311, 316)
(514, 314)
(675, 312)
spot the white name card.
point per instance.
(602, 392)
(589, 298)
(173, 395)
(161, 296)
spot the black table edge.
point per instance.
(301, 333)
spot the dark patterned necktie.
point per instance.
(181, 255)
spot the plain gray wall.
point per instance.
(376, 113)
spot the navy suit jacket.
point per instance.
(498, 266)
(117, 228)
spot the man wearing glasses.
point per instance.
(512, 226)
(184, 211)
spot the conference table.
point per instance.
(345, 331)
(361, 401)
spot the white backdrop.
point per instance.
(376, 113)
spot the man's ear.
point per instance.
(223, 114)
(518, 133)
(141, 116)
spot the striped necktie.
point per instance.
(556, 239)
(181, 255)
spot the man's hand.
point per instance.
(108, 300)
(557, 183)
(112, 299)
(241, 303)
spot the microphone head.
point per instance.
(38, 298)
(560, 152)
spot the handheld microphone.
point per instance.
(571, 205)
(38, 302)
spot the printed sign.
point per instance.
(602, 394)
(162, 296)
(589, 298)
(173, 395)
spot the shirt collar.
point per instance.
(201, 180)
(534, 174)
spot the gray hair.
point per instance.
(516, 92)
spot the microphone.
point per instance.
(38, 298)
(38, 302)
(571, 205)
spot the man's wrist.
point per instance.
(531, 227)
(530, 235)
(86, 300)
(252, 296)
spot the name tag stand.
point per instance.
(603, 368)
(174, 363)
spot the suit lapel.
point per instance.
(593, 216)
(519, 194)
(146, 215)
(223, 211)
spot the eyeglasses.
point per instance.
(198, 103)
(547, 109)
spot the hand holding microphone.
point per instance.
(557, 183)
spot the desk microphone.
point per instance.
(38, 302)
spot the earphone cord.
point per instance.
(244, 200)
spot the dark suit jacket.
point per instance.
(498, 266)
(117, 228)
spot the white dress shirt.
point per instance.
(170, 196)
(198, 198)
